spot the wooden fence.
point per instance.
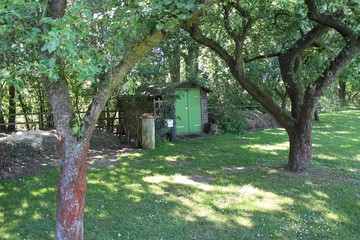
(44, 120)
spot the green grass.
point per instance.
(225, 187)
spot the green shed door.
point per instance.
(194, 111)
(188, 112)
(182, 116)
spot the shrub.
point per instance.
(231, 122)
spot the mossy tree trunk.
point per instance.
(74, 146)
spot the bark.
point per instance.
(342, 91)
(330, 21)
(300, 133)
(352, 98)
(137, 51)
(283, 97)
(41, 100)
(316, 115)
(12, 110)
(300, 153)
(283, 102)
(2, 122)
(25, 111)
(72, 161)
(191, 61)
(71, 190)
(108, 121)
(289, 65)
(174, 61)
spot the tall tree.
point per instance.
(74, 147)
(12, 110)
(244, 24)
(92, 43)
(173, 55)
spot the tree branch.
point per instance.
(240, 37)
(227, 26)
(137, 51)
(242, 12)
(329, 75)
(195, 32)
(239, 74)
(308, 39)
(288, 66)
(270, 55)
(246, 30)
(57, 8)
(330, 21)
(337, 65)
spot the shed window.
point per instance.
(157, 105)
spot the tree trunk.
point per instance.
(175, 61)
(2, 122)
(283, 102)
(316, 115)
(72, 161)
(191, 61)
(300, 138)
(71, 190)
(25, 111)
(101, 121)
(73, 152)
(12, 110)
(353, 97)
(108, 117)
(72, 181)
(342, 91)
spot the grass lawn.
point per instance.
(224, 187)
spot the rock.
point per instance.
(211, 128)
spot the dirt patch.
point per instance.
(235, 169)
(28, 153)
(202, 178)
(256, 120)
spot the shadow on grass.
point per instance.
(228, 187)
(27, 207)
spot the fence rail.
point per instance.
(40, 120)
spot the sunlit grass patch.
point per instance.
(224, 187)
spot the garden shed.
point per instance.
(190, 108)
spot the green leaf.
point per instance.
(183, 16)
(70, 47)
(76, 128)
(46, 20)
(160, 26)
(52, 61)
(51, 46)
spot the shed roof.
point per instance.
(155, 90)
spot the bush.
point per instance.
(237, 121)
(231, 122)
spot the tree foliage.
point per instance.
(81, 51)
(255, 32)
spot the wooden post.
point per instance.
(40, 121)
(148, 131)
